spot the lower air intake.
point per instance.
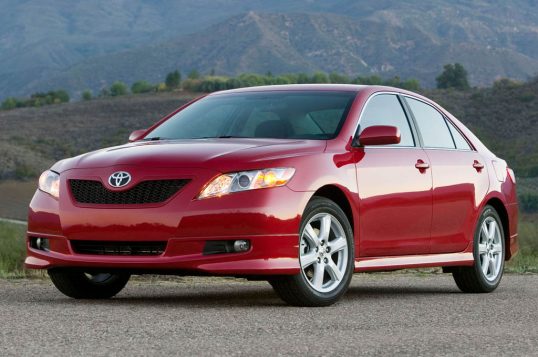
(118, 248)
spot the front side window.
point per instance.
(432, 125)
(386, 109)
(316, 115)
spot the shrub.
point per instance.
(142, 87)
(9, 103)
(194, 74)
(528, 202)
(173, 79)
(118, 88)
(87, 94)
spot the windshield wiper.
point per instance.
(154, 138)
(221, 137)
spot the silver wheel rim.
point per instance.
(323, 252)
(490, 249)
(98, 278)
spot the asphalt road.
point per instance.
(382, 314)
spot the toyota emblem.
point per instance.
(119, 179)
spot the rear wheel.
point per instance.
(326, 256)
(486, 273)
(81, 285)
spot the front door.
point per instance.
(395, 187)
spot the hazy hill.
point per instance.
(80, 44)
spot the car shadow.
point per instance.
(245, 296)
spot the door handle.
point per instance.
(478, 165)
(421, 165)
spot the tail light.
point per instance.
(511, 174)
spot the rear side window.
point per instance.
(460, 141)
(432, 125)
(386, 109)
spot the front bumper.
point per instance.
(268, 255)
(268, 218)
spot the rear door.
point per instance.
(395, 194)
(459, 178)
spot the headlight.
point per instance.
(49, 182)
(246, 180)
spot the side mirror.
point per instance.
(136, 135)
(379, 135)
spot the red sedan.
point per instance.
(300, 185)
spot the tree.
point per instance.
(194, 74)
(87, 94)
(338, 78)
(453, 76)
(319, 77)
(9, 103)
(142, 87)
(60, 95)
(173, 79)
(118, 88)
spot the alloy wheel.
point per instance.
(323, 252)
(490, 249)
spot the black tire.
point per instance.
(79, 285)
(296, 289)
(473, 279)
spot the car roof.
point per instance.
(295, 87)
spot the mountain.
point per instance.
(80, 44)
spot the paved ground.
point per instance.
(382, 314)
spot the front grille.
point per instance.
(90, 191)
(118, 248)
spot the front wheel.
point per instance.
(326, 256)
(81, 285)
(486, 273)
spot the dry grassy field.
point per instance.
(14, 198)
(31, 139)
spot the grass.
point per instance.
(13, 250)
(527, 259)
(12, 241)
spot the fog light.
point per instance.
(40, 243)
(241, 245)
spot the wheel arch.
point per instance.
(503, 215)
(337, 194)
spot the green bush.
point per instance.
(528, 202)
(9, 103)
(319, 77)
(87, 94)
(37, 100)
(118, 88)
(142, 87)
(173, 79)
(194, 74)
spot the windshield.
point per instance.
(279, 115)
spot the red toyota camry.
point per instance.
(300, 185)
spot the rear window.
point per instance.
(459, 140)
(432, 125)
(313, 115)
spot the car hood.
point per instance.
(219, 154)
